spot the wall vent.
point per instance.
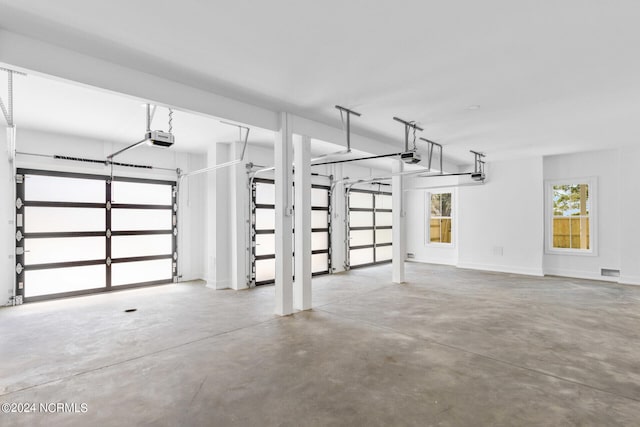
(411, 255)
(608, 272)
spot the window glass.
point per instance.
(360, 219)
(436, 209)
(319, 197)
(62, 189)
(48, 220)
(445, 203)
(57, 280)
(360, 237)
(440, 222)
(141, 193)
(319, 262)
(265, 270)
(319, 240)
(319, 219)
(265, 244)
(360, 200)
(64, 249)
(141, 219)
(383, 201)
(265, 219)
(384, 253)
(125, 273)
(360, 256)
(383, 219)
(383, 236)
(147, 245)
(265, 193)
(571, 216)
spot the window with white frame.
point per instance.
(571, 217)
(440, 221)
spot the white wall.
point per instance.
(500, 223)
(417, 217)
(191, 213)
(629, 207)
(605, 167)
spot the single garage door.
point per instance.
(80, 233)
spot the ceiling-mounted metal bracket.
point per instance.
(430, 148)
(246, 135)
(478, 163)
(478, 166)
(348, 113)
(407, 127)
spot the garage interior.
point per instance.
(236, 213)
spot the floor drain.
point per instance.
(130, 310)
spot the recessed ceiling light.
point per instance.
(472, 107)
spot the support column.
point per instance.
(283, 154)
(302, 162)
(398, 236)
(339, 244)
(239, 220)
(7, 216)
(218, 260)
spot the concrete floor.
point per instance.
(451, 348)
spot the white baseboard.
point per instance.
(433, 261)
(221, 284)
(629, 280)
(579, 274)
(527, 271)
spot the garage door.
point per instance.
(79, 233)
(263, 230)
(369, 228)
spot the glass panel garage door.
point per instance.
(263, 231)
(79, 234)
(369, 228)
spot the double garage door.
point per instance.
(78, 233)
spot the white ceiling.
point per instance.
(549, 77)
(64, 108)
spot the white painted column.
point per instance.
(218, 260)
(239, 195)
(302, 162)
(7, 215)
(398, 236)
(283, 154)
(338, 235)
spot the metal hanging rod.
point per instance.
(478, 164)
(240, 129)
(407, 126)
(430, 152)
(148, 109)
(357, 159)
(226, 164)
(348, 113)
